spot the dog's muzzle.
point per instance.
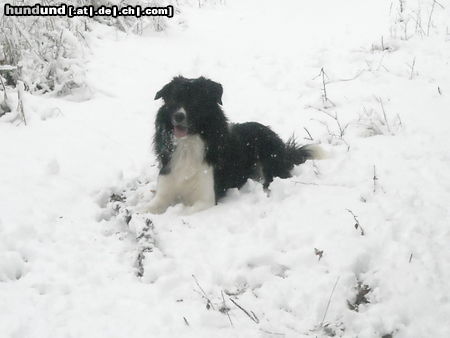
(179, 122)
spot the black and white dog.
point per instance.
(201, 155)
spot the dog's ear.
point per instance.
(164, 91)
(214, 90)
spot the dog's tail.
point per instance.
(296, 154)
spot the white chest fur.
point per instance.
(188, 157)
(190, 179)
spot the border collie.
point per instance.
(201, 155)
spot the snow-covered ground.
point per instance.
(294, 260)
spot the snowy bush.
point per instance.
(131, 24)
(49, 52)
(379, 123)
(412, 18)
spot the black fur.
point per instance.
(237, 152)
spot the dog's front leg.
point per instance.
(202, 195)
(198, 206)
(164, 197)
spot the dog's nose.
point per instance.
(179, 116)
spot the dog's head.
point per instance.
(190, 103)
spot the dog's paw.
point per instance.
(197, 207)
(153, 208)
(156, 209)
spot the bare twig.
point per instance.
(418, 20)
(324, 87)
(5, 107)
(329, 300)
(20, 109)
(375, 179)
(400, 123)
(412, 69)
(381, 65)
(318, 253)
(342, 128)
(250, 314)
(410, 257)
(273, 333)
(384, 114)
(405, 29)
(357, 224)
(306, 183)
(324, 77)
(402, 20)
(350, 78)
(431, 15)
(309, 135)
(316, 169)
(209, 304)
(4, 88)
(225, 309)
(321, 184)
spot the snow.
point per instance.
(68, 256)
